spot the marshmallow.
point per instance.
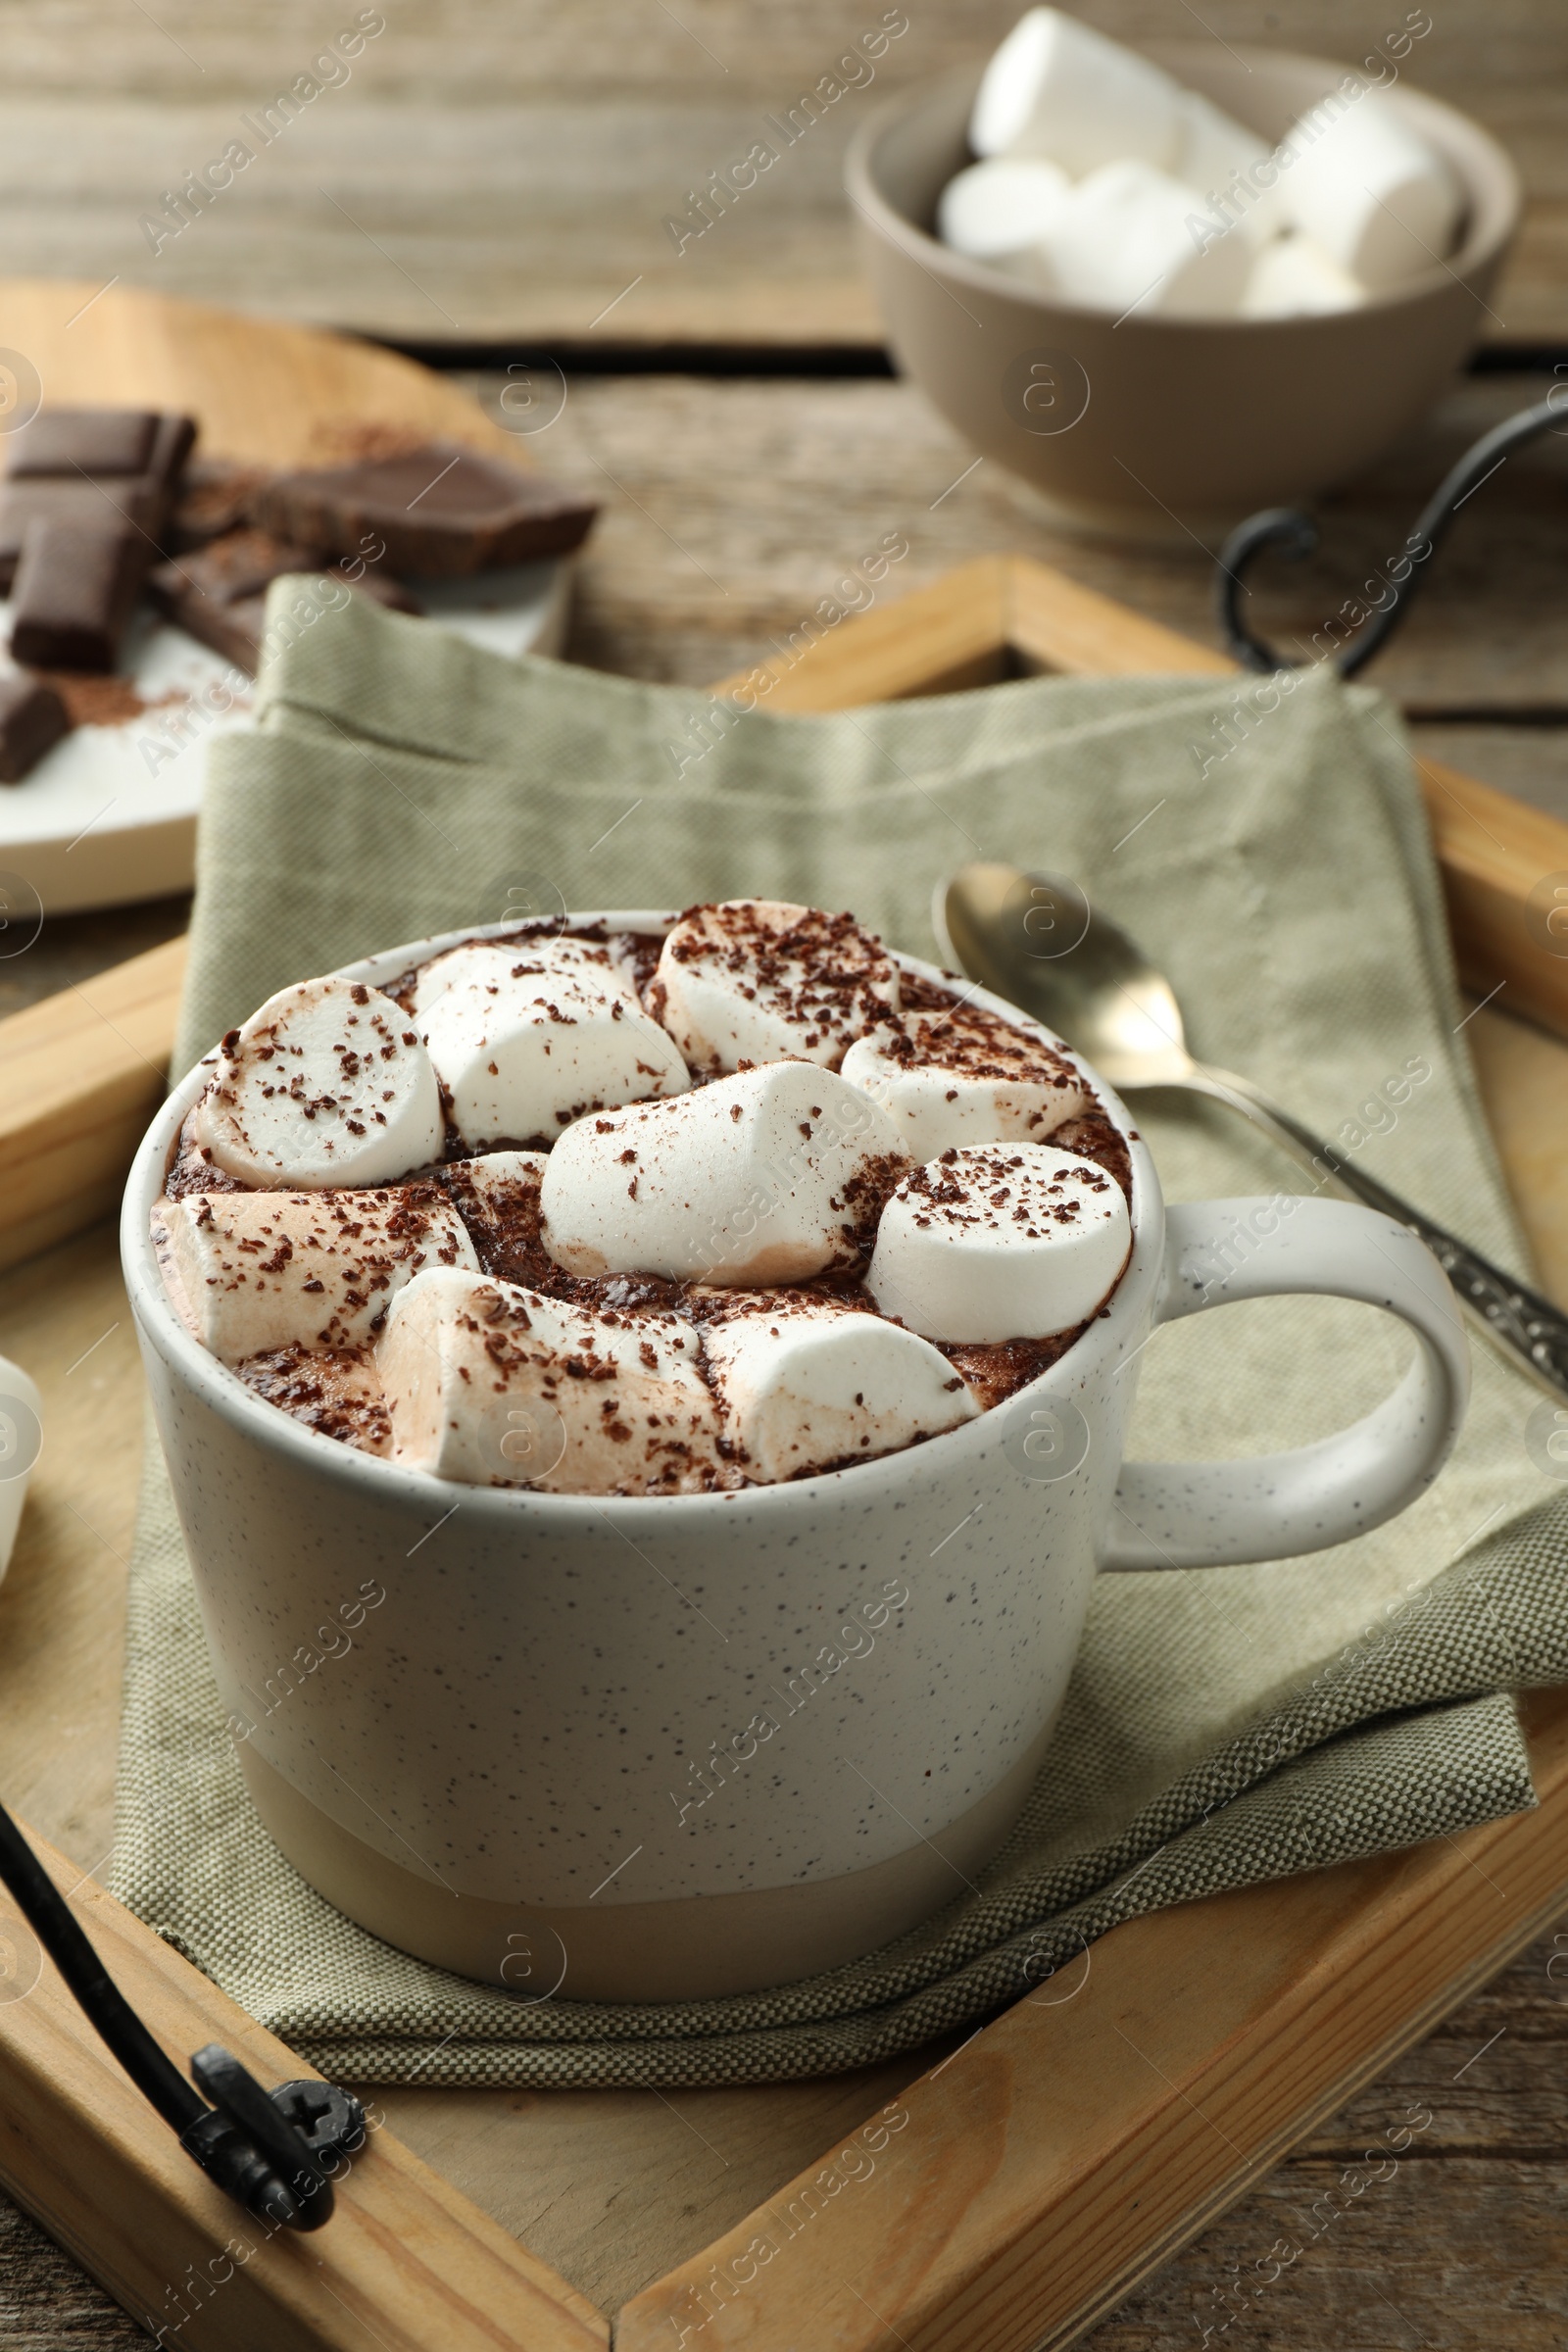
(492, 1384)
(1231, 167)
(548, 956)
(249, 1272)
(327, 1084)
(526, 1040)
(496, 1180)
(1294, 278)
(997, 212)
(1132, 239)
(961, 1075)
(770, 1176)
(806, 1386)
(1056, 87)
(999, 1244)
(755, 980)
(1380, 200)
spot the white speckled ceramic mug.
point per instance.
(679, 1745)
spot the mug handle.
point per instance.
(1272, 1507)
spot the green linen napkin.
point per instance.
(1224, 1726)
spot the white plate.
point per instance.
(109, 816)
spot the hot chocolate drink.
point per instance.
(614, 1213)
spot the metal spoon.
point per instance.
(1034, 939)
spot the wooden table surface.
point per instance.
(493, 170)
(731, 507)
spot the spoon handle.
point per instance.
(1520, 1323)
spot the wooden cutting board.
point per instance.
(260, 388)
(1033, 2172)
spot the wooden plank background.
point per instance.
(500, 171)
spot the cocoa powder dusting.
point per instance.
(1093, 1135)
(193, 1170)
(334, 1391)
(357, 440)
(93, 702)
(998, 1369)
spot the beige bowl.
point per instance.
(1124, 425)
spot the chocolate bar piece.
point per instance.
(81, 465)
(90, 441)
(219, 594)
(33, 719)
(127, 503)
(64, 444)
(76, 590)
(439, 513)
(173, 442)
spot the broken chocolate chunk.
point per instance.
(241, 564)
(218, 594)
(214, 498)
(440, 512)
(33, 719)
(76, 590)
(233, 629)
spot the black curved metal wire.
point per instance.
(1296, 536)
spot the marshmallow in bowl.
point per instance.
(773, 1175)
(1293, 277)
(1165, 178)
(526, 1039)
(1126, 241)
(496, 1385)
(958, 1075)
(806, 1386)
(757, 979)
(1380, 200)
(998, 210)
(1056, 87)
(251, 1272)
(997, 1242)
(1230, 165)
(325, 1086)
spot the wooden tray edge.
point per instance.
(1006, 2237)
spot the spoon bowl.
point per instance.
(1034, 939)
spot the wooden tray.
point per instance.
(1016, 2185)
